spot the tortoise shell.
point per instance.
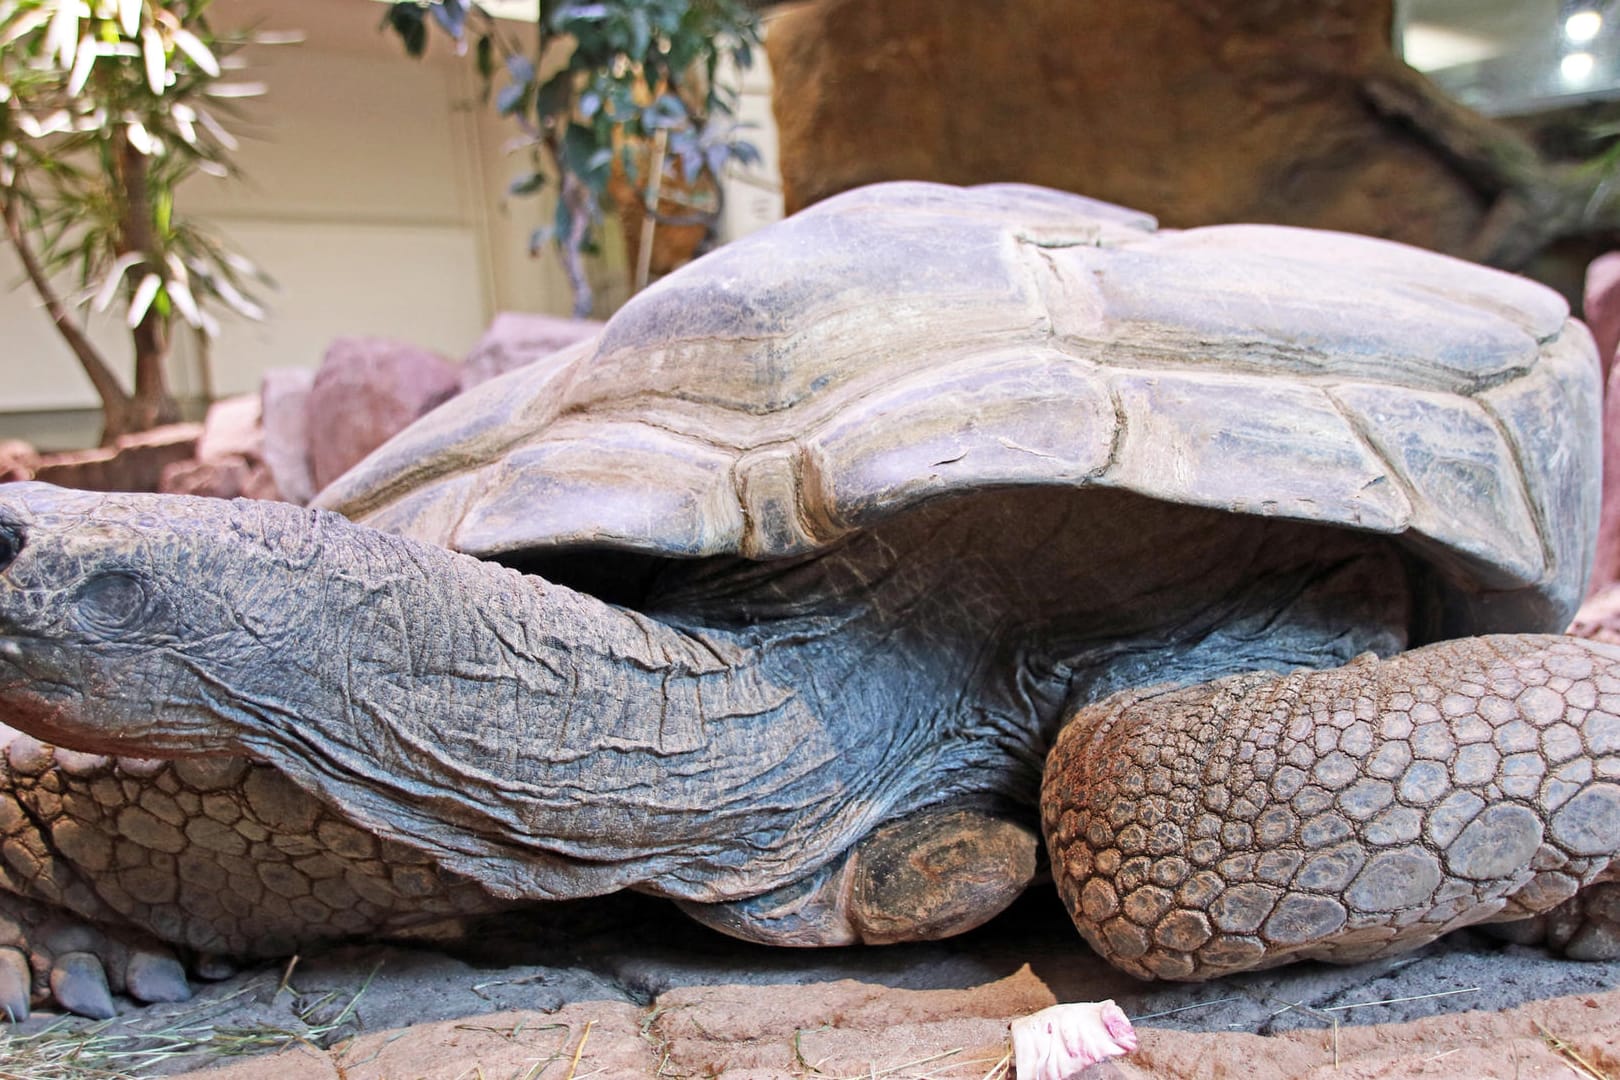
(910, 341)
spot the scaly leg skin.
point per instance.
(102, 858)
(1345, 814)
(926, 876)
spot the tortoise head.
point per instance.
(121, 613)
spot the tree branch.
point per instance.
(112, 395)
(151, 334)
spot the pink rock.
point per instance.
(1606, 563)
(283, 397)
(1599, 617)
(367, 390)
(517, 338)
(1601, 307)
(229, 477)
(231, 429)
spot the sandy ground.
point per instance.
(626, 987)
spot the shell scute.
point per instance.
(1018, 417)
(1250, 445)
(1466, 491)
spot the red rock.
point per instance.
(367, 390)
(518, 338)
(283, 397)
(1601, 307)
(134, 463)
(229, 477)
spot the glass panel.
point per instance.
(1514, 56)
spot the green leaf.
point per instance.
(163, 212)
(512, 98)
(521, 68)
(640, 33)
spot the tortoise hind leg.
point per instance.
(1584, 927)
(929, 875)
(1340, 814)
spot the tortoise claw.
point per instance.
(16, 984)
(79, 984)
(156, 976)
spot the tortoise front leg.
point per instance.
(1344, 814)
(928, 875)
(106, 862)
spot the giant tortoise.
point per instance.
(779, 598)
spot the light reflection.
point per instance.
(1576, 67)
(1582, 26)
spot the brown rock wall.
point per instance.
(1198, 111)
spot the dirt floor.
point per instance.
(625, 987)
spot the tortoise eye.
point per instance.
(11, 543)
(112, 602)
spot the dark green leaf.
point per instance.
(526, 184)
(405, 19)
(556, 94)
(580, 157)
(486, 57)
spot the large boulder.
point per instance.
(283, 405)
(1601, 307)
(1199, 113)
(366, 390)
(517, 338)
(1606, 562)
